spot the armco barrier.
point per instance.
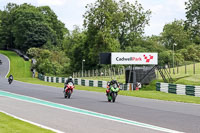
(95, 83)
(158, 86)
(100, 84)
(63, 80)
(26, 58)
(78, 81)
(82, 82)
(179, 89)
(91, 83)
(57, 80)
(190, 90)
(86, 82)
(172, 88)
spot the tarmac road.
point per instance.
(177, 116)
(4, 67)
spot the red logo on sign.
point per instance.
(148, 59)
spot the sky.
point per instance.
(71, 12)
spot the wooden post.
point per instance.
(157, 74)
(119, 70)
(169, 68)
(110, 73)
(177, 67)
(124, 70)
(185, 69)
(114, 72)
(100, 72)
(194, 68)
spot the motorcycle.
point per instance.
(10, 80)
(112, 93)
(69, 89)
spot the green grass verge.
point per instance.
(18, 67)
(182, 75)
(151, 94)
(146, 92)
(9, 124)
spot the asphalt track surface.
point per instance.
(4, 67)
(177, 116)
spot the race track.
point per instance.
(177, 116)
(4, 67)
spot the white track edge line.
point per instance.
(165, 129)
(39, 125)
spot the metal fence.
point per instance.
(119, 73)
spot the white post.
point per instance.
(173, 57)
(82, 66)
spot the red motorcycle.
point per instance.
(69, 90)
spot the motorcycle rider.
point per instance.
(112, 82)
(10, 78)
(68, 81)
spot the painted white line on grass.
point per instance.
(84, 112)
(39, 125)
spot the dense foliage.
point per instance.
(109, 25)
(50, 62)
(193, 19)
(25, 26)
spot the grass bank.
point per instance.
(146, 92)
(18, 67)
(9, 124)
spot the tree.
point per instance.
(1, 30)
(28, 26)
(132, 23)
(74, 48)
(50, 62)
(191, 53)
(193, 19)
(6, 36)
(174, 33)
(112, 26)
(56, 25)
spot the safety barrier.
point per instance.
(178, 89)
(78, 81)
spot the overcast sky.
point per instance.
(70, 12)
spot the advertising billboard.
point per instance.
(134, 58)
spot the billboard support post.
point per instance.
(132, 72)
(119, 58)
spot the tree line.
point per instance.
(109, 26)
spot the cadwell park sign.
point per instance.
(134, 58)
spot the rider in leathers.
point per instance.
(112, 82)
(68, 81)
